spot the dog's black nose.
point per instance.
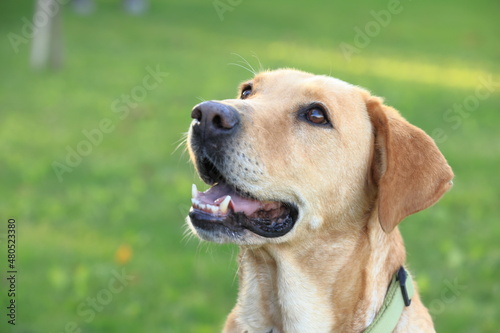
(214, 119)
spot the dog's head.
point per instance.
(297, 151)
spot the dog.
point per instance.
(310, 176)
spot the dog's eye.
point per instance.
(317, 116)
(247, 91)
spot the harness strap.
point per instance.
(397, 298)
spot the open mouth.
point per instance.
(223, 206)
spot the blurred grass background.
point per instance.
(123, 208)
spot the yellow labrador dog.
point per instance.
(311, 175)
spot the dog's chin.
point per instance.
(223, 235)
(223, 214)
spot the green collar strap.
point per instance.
(397, 298)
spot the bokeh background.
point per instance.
(102, 246)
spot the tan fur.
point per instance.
(352, 184)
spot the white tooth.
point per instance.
(196, 203)
(224, 204)
(213, 209)
(203, 206)
(194, 191)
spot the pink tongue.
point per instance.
(216, 194)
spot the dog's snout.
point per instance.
(214, 119)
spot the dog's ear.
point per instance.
(407, 167)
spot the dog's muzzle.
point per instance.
(225, 208)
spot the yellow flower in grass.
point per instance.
(123, 254)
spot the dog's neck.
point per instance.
(303, 285)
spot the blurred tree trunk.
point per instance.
(47, 40)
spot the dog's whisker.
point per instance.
(238, 268)
(187, 236)
(245, 62)
(236, 274)
(182, 142)
(252, 69)
(245, 68)
(268, 267)
(201, 99)
(261, 68)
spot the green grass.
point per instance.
(133, 189)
